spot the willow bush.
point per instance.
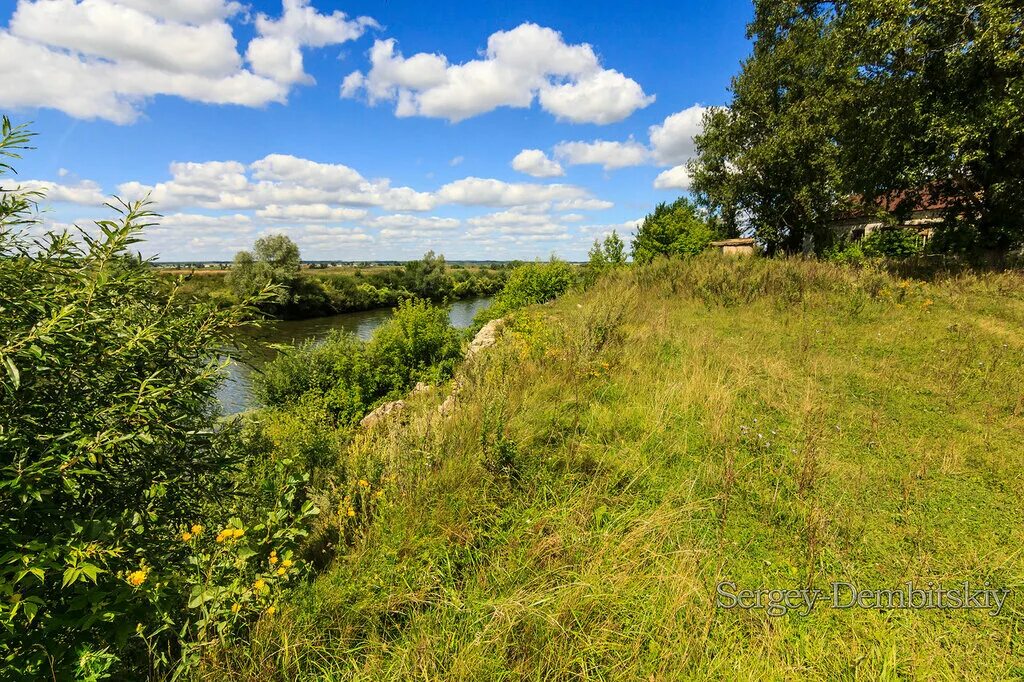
(115, 472)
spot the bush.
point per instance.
(531, 284)
(892, 242)
(675, 229)
(348, 377)
(113, 462)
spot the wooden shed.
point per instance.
(735, 247)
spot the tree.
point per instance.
(428, 277)
(885, 104)
(611, 252)
(675, 229)
(275, 261)
(769, 157)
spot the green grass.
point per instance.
(622, 451)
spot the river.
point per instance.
(236, 395)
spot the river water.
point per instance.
(236, 395)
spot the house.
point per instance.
(922, 213)
(734, 247)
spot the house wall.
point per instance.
(738, 250)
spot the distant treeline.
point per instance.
(300, 294)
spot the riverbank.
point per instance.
(335, 291)
(622, 452)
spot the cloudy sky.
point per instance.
(365, 130)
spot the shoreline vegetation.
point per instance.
(321, 292)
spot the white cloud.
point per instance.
(456, 161)
(115, 32)
(85, 193)
(276, 179)
(677, 177)
(292, 169)
(412, 222)
(536, 163)
(301, 212)
(672, 141)
(105, 58)
(275, 52)
(601, 97)
(490, 192)
(583, 205)
(518, 66)
(610, 155)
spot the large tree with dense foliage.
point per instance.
(676, 229)
(428, 277)
(893, 99)
(274, 260)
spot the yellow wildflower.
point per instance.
(136, 578)
(197, 529)
(364, 483)
(186, 536)
(236, 607)
(282, 570)
(273, 558)
(271, 610)
(351, 511)
(287, 563)
(259, 584)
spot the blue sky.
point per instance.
(366, 130)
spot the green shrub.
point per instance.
(417, 344)
(274, 261)
(347, 377)
(113, 461)
(892, 242)
(846, 252)
(531, 284)
(675, 229)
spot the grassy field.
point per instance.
(623, 451)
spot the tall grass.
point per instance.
(620, 452)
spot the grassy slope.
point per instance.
(772, 423)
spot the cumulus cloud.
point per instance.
(105, 58)
(276, 53)
(677, 177)
(601, 97)
(609, 155)
(279, 180)
(213, 209)
(414, 222)
(536, 163)
(583, 205)
(672, 140)
(519, 66)
(316, 212)
(490, 192)
(85, 193)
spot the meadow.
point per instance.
(625, 449)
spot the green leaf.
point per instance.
(12, 371)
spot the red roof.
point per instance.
(898, 201)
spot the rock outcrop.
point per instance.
(392, 409)
(485, 338)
